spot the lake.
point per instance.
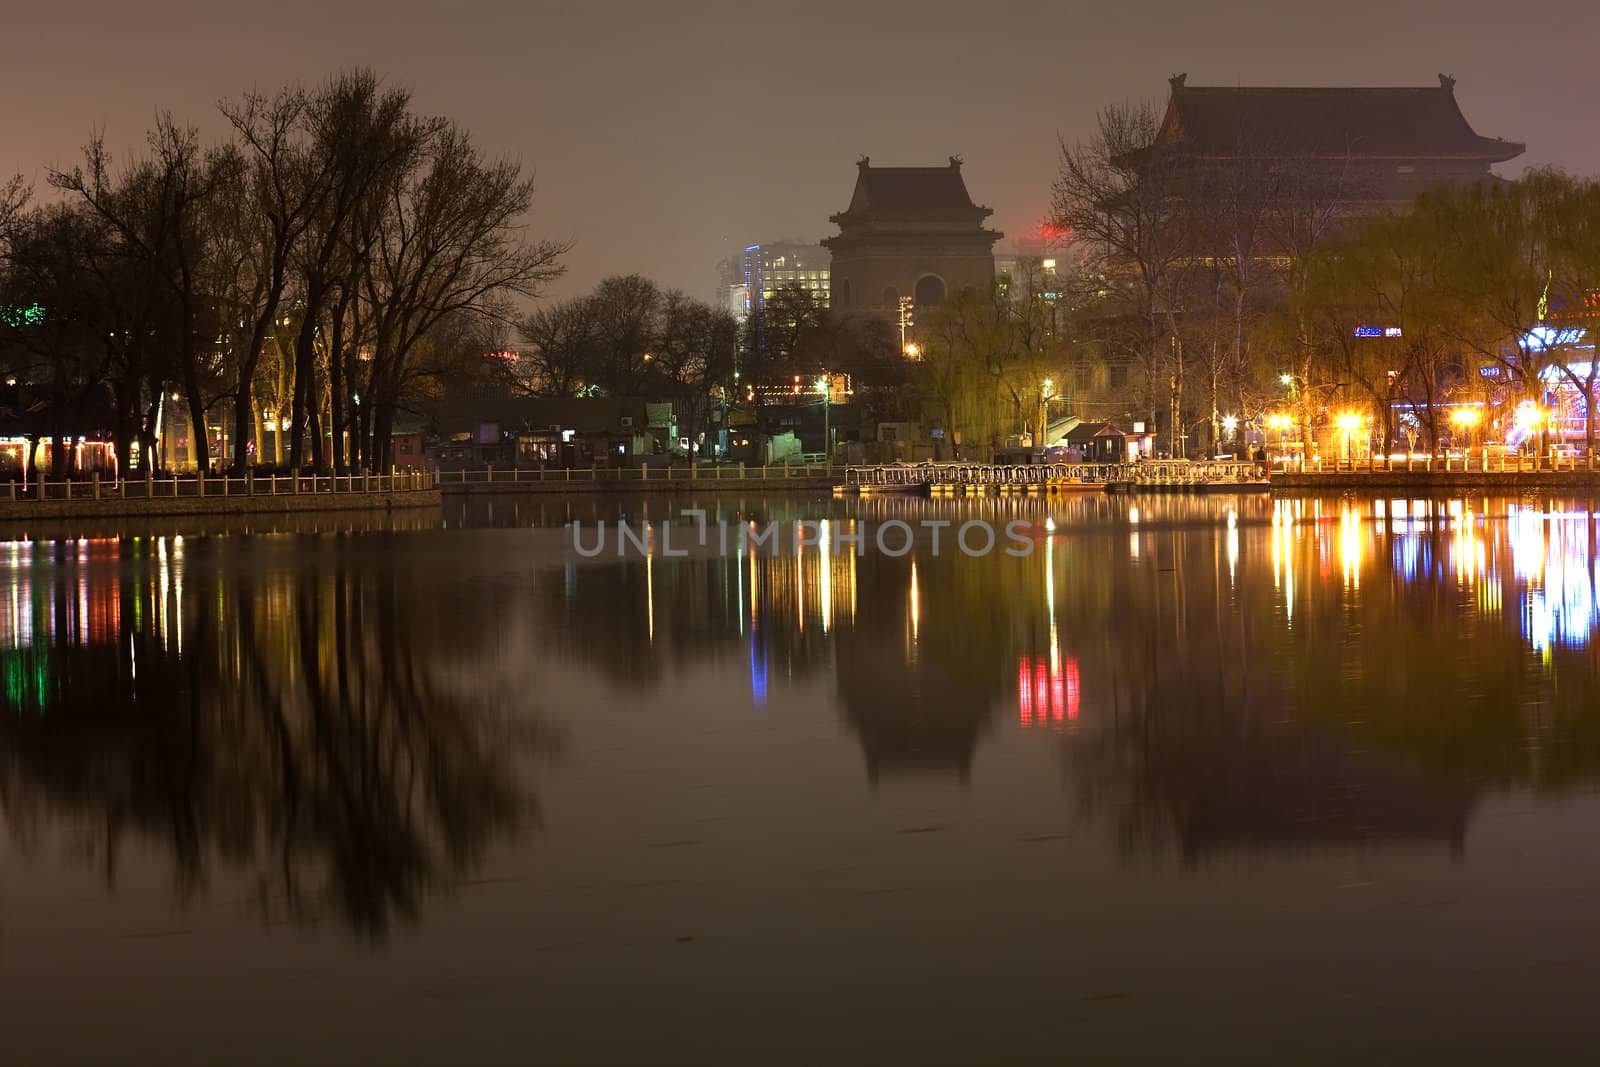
(1225, 779)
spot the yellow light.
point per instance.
(1049, 264)
(1279, 422)
(1466, 416)
(1230, 423)
(1348, 422)
(913, 350)
(1529, 415)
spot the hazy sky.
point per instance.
(666, 134)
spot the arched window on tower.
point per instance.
(930, 290)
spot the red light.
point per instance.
(1044, 695)
(1024, 693)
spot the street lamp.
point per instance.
(1348, 423)
(913, 350)
(1044, 412)
(827, 432)
(1281, 423)
(1464, 421)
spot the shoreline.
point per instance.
(1438, 481)
(108, 507)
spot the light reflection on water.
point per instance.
(353, 732)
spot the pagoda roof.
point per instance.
(1381, 123)
(911, 191)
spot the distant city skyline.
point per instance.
(653, 152)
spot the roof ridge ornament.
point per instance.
(1177, 80)
(1447, 83)
(955, 162)
(864, 162)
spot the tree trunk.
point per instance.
(336, 388)
(303, 406)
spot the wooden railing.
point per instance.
(645, 473)
(175, 486)
(1481, 463)
(1148, 472)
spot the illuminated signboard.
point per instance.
(1378, 331)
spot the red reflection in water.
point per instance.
(1044, 695)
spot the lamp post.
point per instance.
(1348, 424)
(1044, 412)
(1465, 420)
(1281, 423)
(827, 433)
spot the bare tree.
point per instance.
(1121, 195)
(449, 244)
(157, 208)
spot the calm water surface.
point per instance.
(1231, 780)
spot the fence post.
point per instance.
(200, 483)
(97, 485)
(249, 481)
(149, 478)
(69, 489)
(785, 470)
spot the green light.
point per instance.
(27, 679)
(32, 315)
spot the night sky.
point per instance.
(666, 134)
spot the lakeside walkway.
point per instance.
(786, 477)
(1510, 473)
(217, 495)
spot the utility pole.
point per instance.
(905, 321)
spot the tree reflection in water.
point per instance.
(294, 719)
(1220, 675)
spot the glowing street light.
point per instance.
(1348, 424)
(913, 350)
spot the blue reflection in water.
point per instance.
(1551, 552)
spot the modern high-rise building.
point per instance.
(766, 268)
